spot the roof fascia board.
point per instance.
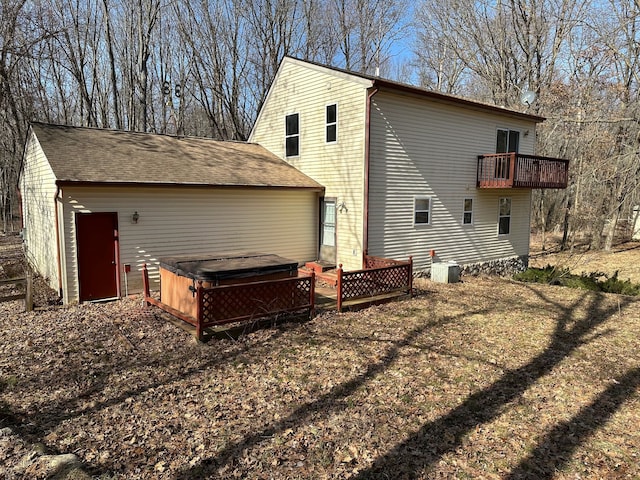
(336, 73)
(417, 92)
(392, 87)
(81, 183)
(31, 134)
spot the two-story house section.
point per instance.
(406, 171)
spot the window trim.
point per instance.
(465, 211)
(328, 124)
(415, 210)
(509, 216)
(287, 136)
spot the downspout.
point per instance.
(55, 208)
(367, 160)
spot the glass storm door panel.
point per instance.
(328, 231)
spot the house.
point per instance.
(338, 165)
(98, 204)
(406, 171)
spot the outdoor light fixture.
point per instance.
(135, 217)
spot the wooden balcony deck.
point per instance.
(515, 170)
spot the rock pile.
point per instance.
(35, 463)
(504, 267)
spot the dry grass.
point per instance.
(624, 258)
(482, 379)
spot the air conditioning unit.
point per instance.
(445, 272)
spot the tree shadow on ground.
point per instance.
(421, 451)
(556, 447)
(325, 404)
(33, 426)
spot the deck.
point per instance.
(380, 281)
(515, 170)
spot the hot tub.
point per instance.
(179, 275)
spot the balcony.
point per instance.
(515, 170)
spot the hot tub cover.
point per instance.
(216, 267)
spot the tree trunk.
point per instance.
(611, 229)
(112, 65)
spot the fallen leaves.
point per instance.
(134, 397)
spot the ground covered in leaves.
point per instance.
(487, 378)
(624, 258)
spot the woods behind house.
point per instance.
(203, 68)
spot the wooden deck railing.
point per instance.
(379, 277)
(516, 170)
(27, 294)
(240, 302)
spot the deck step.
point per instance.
(319, 266)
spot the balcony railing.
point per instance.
(515, 170)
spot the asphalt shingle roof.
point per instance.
(78, 154)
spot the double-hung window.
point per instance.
(331, 119)
(292, 135)
(504, 216)
(467, 211)
(421, 210)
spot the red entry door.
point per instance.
(97, 237)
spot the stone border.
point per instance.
(504, 267)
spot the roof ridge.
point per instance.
(137, 132)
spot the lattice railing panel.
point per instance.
(232, 303)
(369, 283)
(380, 262)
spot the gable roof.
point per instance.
(389, 85)
(92, 155)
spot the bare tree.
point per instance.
(620, 33)
(504, 46)
(365, 31)
(219, 68)
(112, 65)
(17, 39)
(204, 68)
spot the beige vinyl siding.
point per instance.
(420, 147)
(307, 90)
(177, 221)
(38, 189)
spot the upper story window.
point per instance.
(331, 122)
(422, 210)
(507, 141)
(292, 135)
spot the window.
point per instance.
(507, 141)
(292, 135)
(332, 123)
(504, 216)
(467, 212)
(422, 210)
